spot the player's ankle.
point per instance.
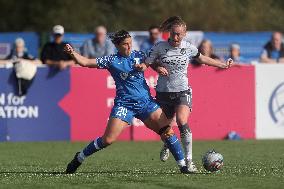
(181, 163)
(81, 157)
(188, 159)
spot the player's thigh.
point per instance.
(183, 106)
(120, 117)
(156, 120)
(166, 103)
(173, 121)
(114, 128)
(182, 114)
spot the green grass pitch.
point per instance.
(247, 164)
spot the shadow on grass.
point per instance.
(98, 172)
(33, 172)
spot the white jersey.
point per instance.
(175, 60)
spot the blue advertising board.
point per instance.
(36, 116)
(251, 43)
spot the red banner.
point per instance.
(223, 101)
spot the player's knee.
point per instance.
(182, 120)
(184, 128)
(182, 117)
(108, 141)
(166, 132)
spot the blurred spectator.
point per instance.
(235, 54)
(206, 49)
(98, 46)
(19, 51)
(24, 65)
(53, 52)
(154, 37)
(273, 51)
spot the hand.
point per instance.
(229, 62)
(68, 49)
(140, 67)
(162, 71)
(227, 65)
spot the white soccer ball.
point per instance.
(212, 161)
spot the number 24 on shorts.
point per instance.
(121, 112)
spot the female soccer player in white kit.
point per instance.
(173, 92)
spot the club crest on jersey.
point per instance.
(123, 75)
(136, 61)
(182, 51)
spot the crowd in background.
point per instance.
(53, 54)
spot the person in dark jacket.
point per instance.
(53, 52)
(273, 51)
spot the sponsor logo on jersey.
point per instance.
(123, 75)
(182, 51)
(136, 60)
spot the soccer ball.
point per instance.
(212, 161)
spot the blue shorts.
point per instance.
(127, 111)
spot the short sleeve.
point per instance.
(264, 53)
(193, 52)
(141, 55)
(153, 54)
(104, 62)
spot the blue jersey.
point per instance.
(133, 97)
(131, 86)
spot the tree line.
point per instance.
(84, 15)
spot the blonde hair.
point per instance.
(172, 21)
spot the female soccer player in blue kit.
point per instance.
(132, 99)
(173, 92)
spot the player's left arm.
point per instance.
(212, 62)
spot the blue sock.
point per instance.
(93, 147)
(175, 148)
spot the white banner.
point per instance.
(269, 101)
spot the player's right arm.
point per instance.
(81, 60)
(159, 69)
(212, 62)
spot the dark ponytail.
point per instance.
(172, 21)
